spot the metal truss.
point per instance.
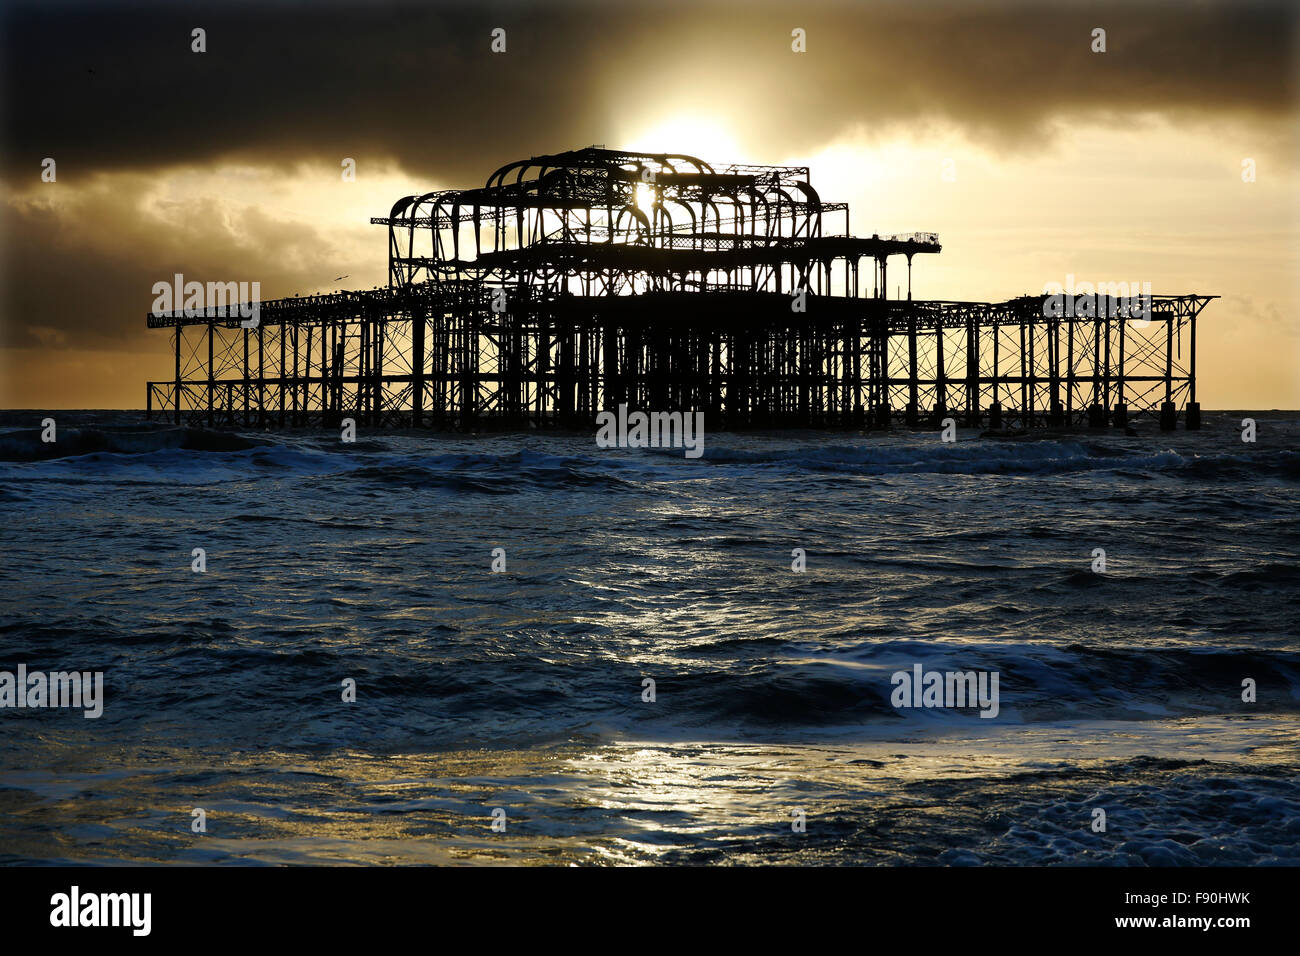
(576, 282)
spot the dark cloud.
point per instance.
(79, 272)
(417, 82)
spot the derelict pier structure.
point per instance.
(573, 283)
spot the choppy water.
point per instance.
(523, 690)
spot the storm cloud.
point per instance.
(116, 86)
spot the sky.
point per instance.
(995, 125)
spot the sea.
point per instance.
(525, 649)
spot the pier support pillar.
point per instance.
(1168, 416)
(1193, 416)
(1056, 417)
(995, 415)
(913, 415)
(1096, 416)
(1119, 417)
(883, 415)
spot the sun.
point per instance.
(700, 136)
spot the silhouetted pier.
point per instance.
(576, 282)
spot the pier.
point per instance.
(577, 282)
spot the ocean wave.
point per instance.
(758, 687)
(474, 464)
(26, 444)
(1038, 683)
(1027, 458)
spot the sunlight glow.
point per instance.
(703, 137)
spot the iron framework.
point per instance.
(577, 282)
